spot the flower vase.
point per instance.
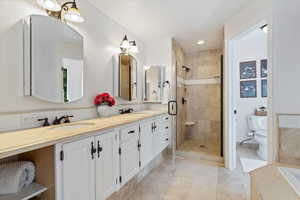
(104, 111)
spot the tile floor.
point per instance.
(193, 179)
(199, 146)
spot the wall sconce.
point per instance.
(68, 11)
(128, 46)
(264, 28)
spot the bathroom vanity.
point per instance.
(90, 159)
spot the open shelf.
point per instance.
(26, 193)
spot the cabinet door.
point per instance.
(78, 171)
(106, 164)
(157, 137)
(129, 157)
(146, 142)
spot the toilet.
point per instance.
(259, 125)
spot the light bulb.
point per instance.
(51, 5)
(125, 43)
(73, 15)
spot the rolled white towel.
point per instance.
(15, 175)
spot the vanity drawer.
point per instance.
(128, 132)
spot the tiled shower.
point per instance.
(201, 114)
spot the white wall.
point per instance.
(102, 37)
(252, 46)
(159, 53)
(286, 56)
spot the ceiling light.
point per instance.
(264, 28)
(73, 14)
(201, 42)
(51, 5)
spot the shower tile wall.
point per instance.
(181, 92)
(204, 100)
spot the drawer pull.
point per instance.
(99, 149)
(167, 127)
(167, 118)
(131, 132)
(167, 139)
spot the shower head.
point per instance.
(187, 69)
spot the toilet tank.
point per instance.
(257, 122)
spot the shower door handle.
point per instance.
(172, 107)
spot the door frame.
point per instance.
(229, 98)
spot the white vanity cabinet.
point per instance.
(160, 134)
(167, 131)
(88, 168)
(95, 166)
(107, 164)
(76, 171)
(129, 153)
(146, 142)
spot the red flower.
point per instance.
(104, 98)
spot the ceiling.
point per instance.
(186, 20)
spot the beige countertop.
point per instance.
(271, 185)
(13, 143)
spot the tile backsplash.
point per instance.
(24, 120)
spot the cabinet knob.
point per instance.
(93, 150)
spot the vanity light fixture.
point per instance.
(68, 11)
(128, 46)
(264, 28)
(72, 13)
(125, 43)
(133, 47)
(50, 5)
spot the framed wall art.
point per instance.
(264, 68)
(264, 88)
(248, 89)
(248, 70)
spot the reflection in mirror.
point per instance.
(127, 77)
(55, 60)
(153, 83)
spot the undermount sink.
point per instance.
(72, 126)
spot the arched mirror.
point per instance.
(53, 56)
(125, 83)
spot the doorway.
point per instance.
(248, 108)
(198, 96)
